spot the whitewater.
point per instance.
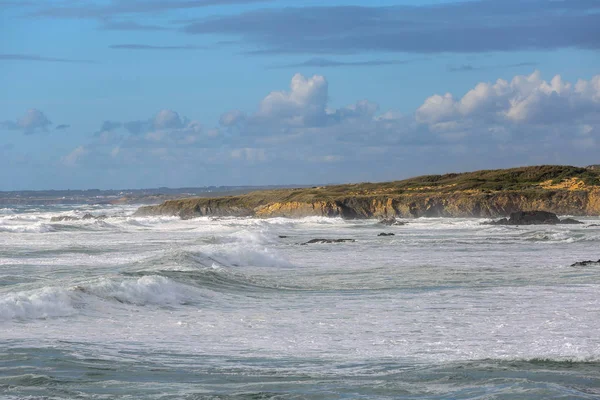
(219, 308)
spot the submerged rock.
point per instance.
(386, 234)
(533, 218)
(585, 263)
(570, 221)
(313, 241)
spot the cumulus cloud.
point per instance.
(154, 137)
(164, 124)
(304, 104)
(72, 159)
(302, 108)
(167, 119)
(232, 118)
(526, 120)
(33, 121)
(523, 100)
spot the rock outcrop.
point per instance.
(484, 194)
(389, 221)
(586, 263)
(313, 241)
(533, 218)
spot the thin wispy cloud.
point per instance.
(328, 63)
(95, 10)
(130, 26)
(470, 67)
(37, 58)
(461, 27)
(152, 47)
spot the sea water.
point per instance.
(217, 308)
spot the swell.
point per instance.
(219, 271)
(177, 278)
(142, 375)
(217, 279)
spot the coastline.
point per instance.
(561, 190)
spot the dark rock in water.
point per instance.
(570, 221)
(386, 234)
(313, 241)
(63, 218)
(533, 218)
(585, 263)
(283, 237)
(529, 218)
(592, 226)
(391, 221)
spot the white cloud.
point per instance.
(520, 121)
(232, 118)
(29, 123)
(166, 127)
(525, 100)
(167, 119)
(72, 159)
(303, 104)
(437, 108)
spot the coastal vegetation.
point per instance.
(487, 193)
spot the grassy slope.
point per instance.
(524, 179)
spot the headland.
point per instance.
(564, 190)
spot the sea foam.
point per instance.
(41, 303)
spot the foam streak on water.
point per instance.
(156, 307)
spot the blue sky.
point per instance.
(131, 94)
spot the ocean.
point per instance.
(237, 308)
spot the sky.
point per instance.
(118, 94)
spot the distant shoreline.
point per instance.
(127, 196)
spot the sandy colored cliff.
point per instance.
(559, 189)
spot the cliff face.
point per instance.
(406, 206)
(455, 195)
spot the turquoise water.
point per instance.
(159, 308)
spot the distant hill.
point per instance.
(488, 193)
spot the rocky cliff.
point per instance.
(494, 193)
